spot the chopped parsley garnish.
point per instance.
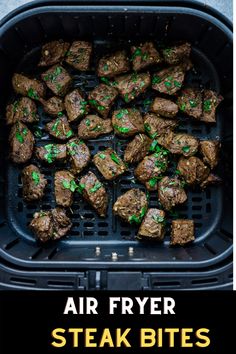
(207, 106)
(53, 76)
(115, 158)
(167, 84)
(15, 106)
(153, 181)
(177, 84)
(167, 51)
(193, 103)
(52, 151)
(137, 53)
(87, 122)
(186, 149)
(153, 145)
(121, 113)
(80, 187)
(138, 219)
(38, 132)
(126, 97)
(177, 172)
(121, 129)
(97, 186)
(32, 94)
(69, 134)
(156, 79)
(105, 67)
(25, 111)
(182, 107)
(102, 156)
(158, 219)
(55, 127)
(20, 134)
(35, 177)
(60, 114)
(147, 127)
(105, 80)
(71, 185)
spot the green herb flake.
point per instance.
(115, 158)
(105, 67)
(121, 113)
(15, 106)
(158, 218)
(105, 80)
(137, 53)
(156, 79)
(186, 149)
(66, 184)
(102, 156)
(207, 106)
(126, 97)
(52, 152)
(147, 102)
(69, 133)
(153, 145)
(96, 186)
(193, 103)
(167, 52)
(123, 130)
(147, 127)
(182, 107)
(80, 187)
(152, 182)
(177, 172)
(137, 219)
(167, 84)
(32, 94)
(177, 84)
(87, 122)
(60, 114)
(38, 132)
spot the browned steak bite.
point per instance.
(33, 183)
(79, 155)
(109, 164)
(137, 149)
(155, 125)
(102, 98)
(64, 188)
(190, 102)
(144, 55)
(23, 110)
(182, 232)
(51, 224)
(176, 54)
(171, 192)
(153, 225)
(28, 87)
(51, 152)
(57, 80)
(169, 80)
(21, 142)
(114, 64)
(210, 150)
(211, 180)
(79, 55)
(211, 100)
(131, 206)
(179, 143)
(53, 52)
(60, 128)
(53, 105)
(94, 193)
(193, 169)
(93, 126)
(164, 107)
(132, 85)
(76, 106)
(127, 122)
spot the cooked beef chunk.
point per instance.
(131, 206)
(190, 102)
(109, 164)
(94, 193)
(153, 225)
(21, 142)
(144, 55)
(51, 224)
(60, 128)
(179, 143)
(53, 52)
(210, 180)
(192, 169)
(176, 54)
(210, 150)
(57, 80)
(76, 106)
(79, 55)
(115, 64)
(33, 182)
(127, 122)
(155, 125)
(137, 149)
(53, 105)
(64, 187)
(51, 152)
(79, 155)
(102, 98)
(169, 80)
(132, 85)
(171, 192)
(164, 107)
(28, 87)
(93, 126)
(23, 110)
(211, 100)
(150, 168)
(182, 232)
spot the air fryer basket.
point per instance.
(113, 27)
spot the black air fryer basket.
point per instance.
(103, 253)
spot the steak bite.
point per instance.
(137, 149)
(93, 126)
(182, 232)
(210, 150)
(79, 155)
(21, 142)
(23, 110)
(76, 106)
(190, 102)
(57, 80)
(176, 54)
(155, 125)
(51, 152)
(102, 98)
(132, 85)
(127, 122)
(144, 55)
(153, 225)
(109, 164)
(171, 192)
(28, 87)
(193, 169)
(33, 183)
(79, 55)
(211, 100)
(53, 52)
(211, 180)
(179, 143)
(169, 80)
(94, 193)
(114, 64)
(60, 128)
(164, 107)
(51, 224)
(53, 105)
(64, 187)
(131, 206)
